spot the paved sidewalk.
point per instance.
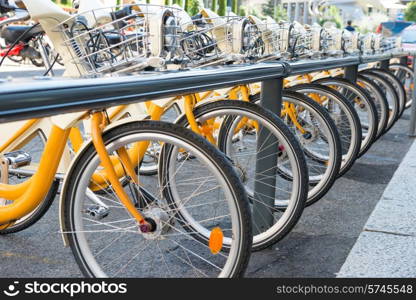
(26, 70)
(387, 245)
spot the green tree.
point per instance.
(242, 11)
(167, 2)
(268, 8)
(222, 8)
(187, 5)
(410, 12)
(194, 7)
(235, 6)
(273, 9)
(254, 12)
(214, 5)
(332, 15)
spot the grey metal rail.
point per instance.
(307, 66)
(374, 58)
(34, 99)
(40, 98)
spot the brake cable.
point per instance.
(51, 66)
(17, 41)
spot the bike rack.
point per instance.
(40, 98)
(265, 183)
(22, 100)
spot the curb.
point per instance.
(387, 245)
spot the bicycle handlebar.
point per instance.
(122, 13)
(20, 15)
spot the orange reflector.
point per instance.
(215, 240)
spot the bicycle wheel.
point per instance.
(363, 104)
(405, 75)
(380, 101)
(34, 148)
(33, 216)
(344, 115)
(401, 93)
(204, 183)
(391, 96)
(237, 127)
(318, 136)
(150, 163)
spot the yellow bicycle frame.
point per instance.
(26, 196)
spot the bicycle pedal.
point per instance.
(185, 156)
(97, 212)
(18, 159)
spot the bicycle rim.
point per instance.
(114, 247)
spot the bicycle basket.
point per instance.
(376, 43)
(262, 39)
(296, 40)
(209, 39)
(317, 43)
(388, 44)
(121, 39)
(334, 38)
(350, 42)
(366, 42)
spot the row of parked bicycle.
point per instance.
(177, 187)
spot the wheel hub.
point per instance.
(158, 223)
(309, 136)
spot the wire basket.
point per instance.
(334, 44)
(389, 44)
(350, 42)
(369, 43)
(121, 39)
(208, 39)
(398, 46)
(262, 38)
(376, 43)
(319, 41)
(296, 40)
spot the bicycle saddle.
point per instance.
(5, 6)
(12, 33)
